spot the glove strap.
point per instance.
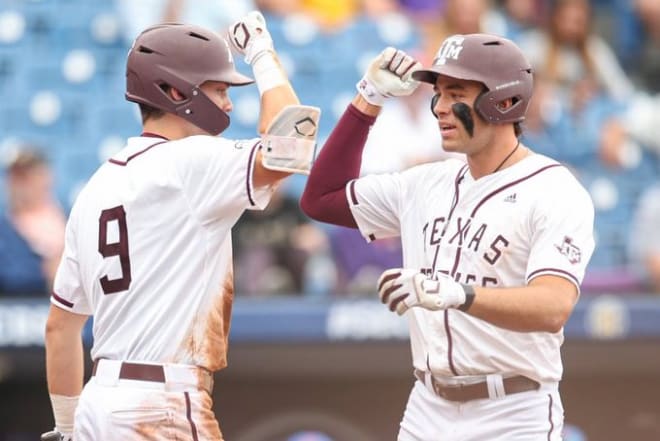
(370, 93)
(469, 297)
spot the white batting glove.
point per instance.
(55, 435)
(389, 74)
(250, 37)
(402, 289)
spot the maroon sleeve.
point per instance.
(339, 161)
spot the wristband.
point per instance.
(370, 93)
(469, 297)
(267, 71)
(64, 409)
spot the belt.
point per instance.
(476, 391)
(167, 374)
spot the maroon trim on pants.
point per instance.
(193, 428)
(552, 426)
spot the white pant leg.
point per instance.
(429, 418)
(527, 416)
(121, 412)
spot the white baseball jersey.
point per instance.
(502, 230)
(148, 248)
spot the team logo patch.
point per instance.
(571, 251)
(450, 49)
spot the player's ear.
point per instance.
(505, 104)
(175, 94)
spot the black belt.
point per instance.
(476, 391)
(138, 371)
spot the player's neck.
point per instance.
(168, 126)
(497, 158)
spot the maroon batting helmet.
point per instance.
(493, 61)
(183, 57)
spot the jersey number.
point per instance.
(119, 248)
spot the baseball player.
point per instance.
(148, 241)
(494, 248)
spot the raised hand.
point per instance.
(389, 74)
(250, 37)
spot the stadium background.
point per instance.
(312, 365)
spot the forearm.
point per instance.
(339, 162)
(274, 99)
(532, 308)
(64, 358)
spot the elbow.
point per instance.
(54, 327)
(555, 322)
(554, 325)
(309, 206)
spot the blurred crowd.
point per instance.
(596, 109)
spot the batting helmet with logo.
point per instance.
(183, 57)
(493, 61)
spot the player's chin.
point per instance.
(450, 144)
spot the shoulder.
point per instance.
(557, 183)
(439, 170)
(204, 147)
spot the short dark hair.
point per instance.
(517, 129)
(147, 112)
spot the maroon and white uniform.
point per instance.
(504, 229)
(148, 253)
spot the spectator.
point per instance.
(587, 84)
(516, 17)
(637, 37)
(359, 263)
(645, 240)
(574, 57)
(273, 248)
(211, 14)
(456, 17)
(32, 228)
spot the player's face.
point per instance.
(462, 135)
(218, 92)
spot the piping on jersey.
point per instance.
(457, 257)
(248, 178)
(123, 163)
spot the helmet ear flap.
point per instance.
(434, 101)
(479, 103)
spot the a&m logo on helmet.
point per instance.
(451, 48)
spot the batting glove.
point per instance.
(389, 74)
(250, 37)
(401, 289)
(55, 435)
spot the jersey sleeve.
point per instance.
(68, 290)
(217, 175)
(375, 202)
(562, 235)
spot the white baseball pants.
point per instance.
(536, 415)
